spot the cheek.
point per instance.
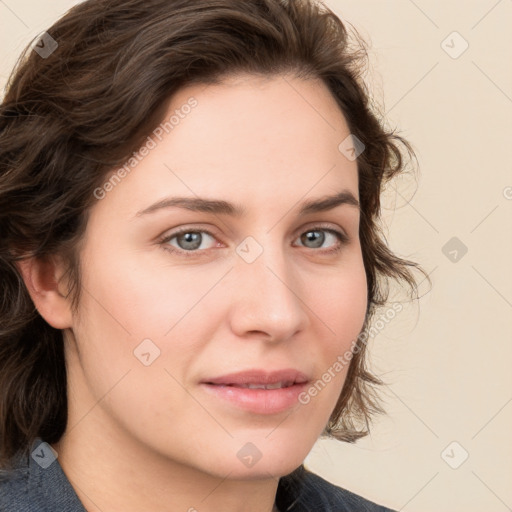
(137, 294)
(134, 308)
(342, 307)
(136, 338)
(343, 302)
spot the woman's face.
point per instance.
(270, 288)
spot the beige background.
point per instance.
(447, 361)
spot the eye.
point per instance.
(191, 242)
(187, 240)
(315, 238)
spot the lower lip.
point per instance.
(259, 401)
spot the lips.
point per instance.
(276, 385)
(260, 379)
(258, 391)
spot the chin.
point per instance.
(273, 463)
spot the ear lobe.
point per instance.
(41, 277)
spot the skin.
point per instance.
(149, 437)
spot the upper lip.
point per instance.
(256, 376)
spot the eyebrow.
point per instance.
(218, 206)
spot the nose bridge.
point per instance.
(267, 297)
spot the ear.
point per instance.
(41, 277)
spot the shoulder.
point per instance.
(303, 490)
(13, 486)
(36, 483)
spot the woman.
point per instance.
(190, 257)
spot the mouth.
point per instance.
(276, 385)
(256, 377)
(257, 391)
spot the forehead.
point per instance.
(252, 116)
(261, 139)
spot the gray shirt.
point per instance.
(38, 484)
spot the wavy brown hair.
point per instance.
(68, 119)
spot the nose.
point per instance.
(268, 298)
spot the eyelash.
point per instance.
(342, 238)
